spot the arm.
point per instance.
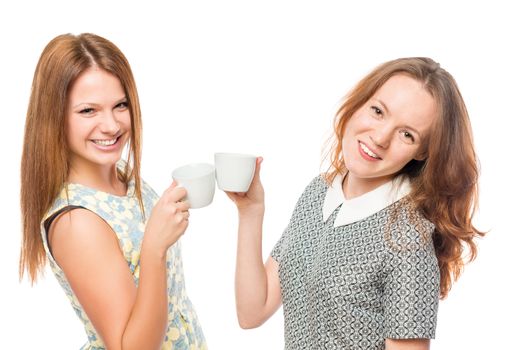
(85, 247)
(257, 286)
(407, 344)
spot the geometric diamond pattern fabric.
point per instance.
(353, 286)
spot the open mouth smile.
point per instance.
(365, 149)
(105, 142)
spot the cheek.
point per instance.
(406, 155)
(124, 119)
(78, 130)
(349, 130)
(362, 120)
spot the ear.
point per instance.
(422, 152)
(421, 156)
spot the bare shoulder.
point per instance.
(88, 252)
(80, 231)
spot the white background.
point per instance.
(266, 78)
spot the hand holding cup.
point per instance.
(199, 181)
(253, 198)
(168, 220)
(234, 171)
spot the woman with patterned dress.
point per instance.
(111, 241)
(376, 241)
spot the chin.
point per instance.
(107, 160)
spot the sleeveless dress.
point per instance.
(124, 216)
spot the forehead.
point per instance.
(96, 85)
(407, 100)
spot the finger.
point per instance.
(175, 194)
(183, 225)
(176, 210)
(182, 205)
(181, 216)
(170, 188)
(235, 195)
(258, 165)
(179, 193)
(231, 195)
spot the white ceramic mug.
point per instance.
(199, 181)
(234, 171)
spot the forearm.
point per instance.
(147, 324)
(251, 279)
(407, 344)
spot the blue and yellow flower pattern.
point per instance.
(124, 216)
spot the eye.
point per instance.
(122, 105)
(377, 111)
(87, 110)
(407, 136)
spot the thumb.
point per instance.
(171, 187)
(258, 165)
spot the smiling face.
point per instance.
(98, 121)
(388, 131)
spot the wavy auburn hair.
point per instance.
(445, 184)
(45, 156)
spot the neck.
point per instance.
(354, 186)
(103, 178)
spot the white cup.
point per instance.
(199, 181)
(234, 171)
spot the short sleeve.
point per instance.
(277, 249)
(316, 188)
(412, 284)
(282, 242)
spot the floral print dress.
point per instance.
(124, 216)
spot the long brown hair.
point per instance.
(45, 165)
(445, 184)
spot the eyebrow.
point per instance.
(405, 126)
(120, 100)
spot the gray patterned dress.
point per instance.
(355, 272)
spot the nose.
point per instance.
(382, 137)
(109, 124)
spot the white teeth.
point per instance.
(105, 142)
(367, 150)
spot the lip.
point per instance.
(365, 155)
(110, 148)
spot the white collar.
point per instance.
(360, 207)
